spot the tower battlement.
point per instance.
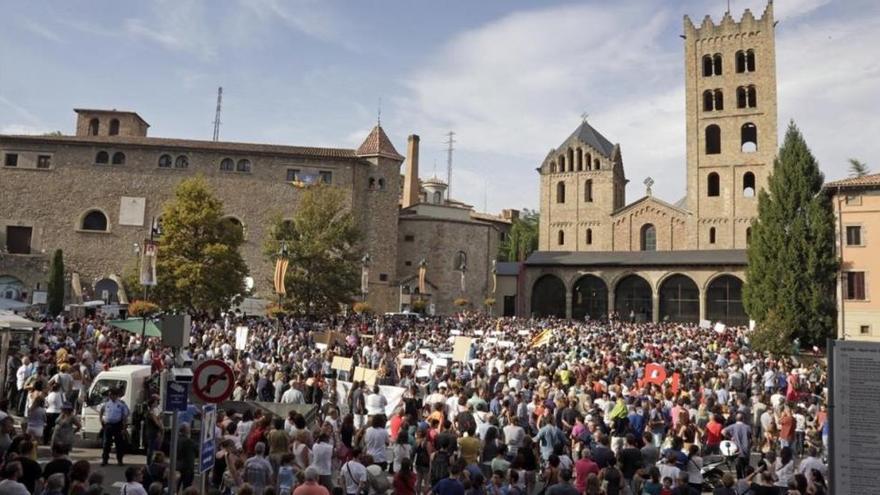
(728, 25)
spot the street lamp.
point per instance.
(365, 276)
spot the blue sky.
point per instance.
(511, 78)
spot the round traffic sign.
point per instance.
(213, 381)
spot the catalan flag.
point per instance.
(542, 338)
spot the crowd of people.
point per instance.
(538, 406)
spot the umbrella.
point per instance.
(136, 326)
(12, 320)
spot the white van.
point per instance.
(131, 380)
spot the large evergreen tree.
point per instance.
(322, 247)
(199, 266)
(792, 266)
(523, 238)
(55, 288)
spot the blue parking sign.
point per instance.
(176, 395)
(207, 448)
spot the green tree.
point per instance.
(858, 168)
(199, 266)
(523, 238)
(55, 295)
(322, 248)
(792, 266)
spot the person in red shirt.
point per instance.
(256, 435)
(582, 469)
(786, 428)
(713, 434)
(311, 486)
(405, 480)
(394, 423)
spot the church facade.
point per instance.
(649, 259)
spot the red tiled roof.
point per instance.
(172, 144)
(378, 144)
(871, 180)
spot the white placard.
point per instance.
(705, 324)
(455, 332)
(408, 362)
(505, 343)
(40, 297)
(478, 333)
(241, 336)
(522, 333)
(131, 211)
(492, 340)
(441, 362)
(719, 327)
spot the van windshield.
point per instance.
(102, 388)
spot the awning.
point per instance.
(12, 320)
(12, 304)
(136, 326)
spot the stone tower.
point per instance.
(730, 86)
(582, 184)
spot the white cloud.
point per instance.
(177, 26)
(40, 30)
(23, 129)
(314, 18)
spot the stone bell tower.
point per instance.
(730, 74)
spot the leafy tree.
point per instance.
(792, 266)
(53, 133)
(199, 266)
(322, 248)
(523, 238)
(55, 295)
(858, 168)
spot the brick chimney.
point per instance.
(411, 177)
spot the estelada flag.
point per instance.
(542, 338)
(280, 272)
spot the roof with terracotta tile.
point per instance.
(871, 180)
(180, 144)
(378, 144)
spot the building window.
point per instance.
(719, 99)
(381, 184)
(326, 177)
(649, 238)
(708, 101)
(580, 159)
(243, 165)
(383, 277)
(407, 263)
(855, 286)
(11, 160)
(553, 167)
(749, 137)
(293, 174)
(438, 197)
(748, 236)
(589, 236)
(589, 160)
(716, 64)
(560, 192)
(713, 185)
(853, 235)
(95, 221)
(114, 127)
(713, 140)
(853, 200)
(560, 238)
(93, 127)
(712, 65)
(745, 61)
(409, 238)
(460, 261)
(181, 162)
(119, 158)
(102, 158)
(44, 161)
(746, 97)
(588, 191)
(227, 165)
(165, 161)
(596, 165)
(864, 329)
(711, 235)
(18, 239)
(749, 185)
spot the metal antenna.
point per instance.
(379, 113)
(450, 140)
(217, 114)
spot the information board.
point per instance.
(207, 451)
(855, 429)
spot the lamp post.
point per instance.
(283, 253)
(365, 276)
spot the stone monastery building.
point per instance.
(650, 259)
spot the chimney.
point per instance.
(411, 179)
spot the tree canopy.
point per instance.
(322, 246)
(199, 266)
(55, 288)
(523, 238)
(792, 266)
(858, 168)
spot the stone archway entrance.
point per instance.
(11, 288)
(589, 297)
(548, 297)
(633, 299)
(724, 301)
(679, 300)
(107, 290)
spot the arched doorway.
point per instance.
(11, 288)
(724, 301)
(679, 299)
(633, 299)
(107, 290)
(548, 297)
(589, 297)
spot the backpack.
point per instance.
(379, 483)
(439, 466)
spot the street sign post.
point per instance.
(176, 395)
(208, 442)
(213, 381)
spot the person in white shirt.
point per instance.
(322, 460)
(375, 402)
(54, 404)
(376, 441)
(812, 463)
(133, 477)
(354, 474)
(292, 395)
(513, 436)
